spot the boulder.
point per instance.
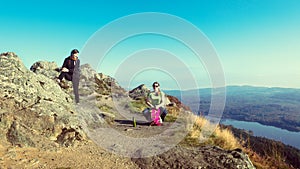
(197, 157)
(139, 92)
(49, 69)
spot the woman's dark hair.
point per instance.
(153, 85)
(74, 51)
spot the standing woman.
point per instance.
(71, 71)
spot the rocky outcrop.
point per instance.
(49, 69)
(174, 101)
(30, 90)
(198, 157)
(139, 92)
(35, 104)
(91, 82)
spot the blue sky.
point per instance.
(257, 41)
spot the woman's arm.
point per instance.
(148, 101)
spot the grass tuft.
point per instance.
(203, 132)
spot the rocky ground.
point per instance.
(89, 155)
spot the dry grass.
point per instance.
(225, 138)
(174, 111)
(261, 162)
(203, 132)
(199, 123)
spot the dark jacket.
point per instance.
(70, 64)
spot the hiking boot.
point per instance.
(154, 124)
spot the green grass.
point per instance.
(170, 118)
(106, 108)
(137, 106)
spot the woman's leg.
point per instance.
(65, 75)
(75, 82)
(163, 113)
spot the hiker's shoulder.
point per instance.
(68, 58)
(162, 93)
(151, 93)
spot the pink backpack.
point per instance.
(155, 117)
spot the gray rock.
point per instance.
(49, 106)
(139, 92)
(49, 109)
(196, 157)
(16, 137)
(88, 73)
(49, 69)
(29, 89)
(69, 136)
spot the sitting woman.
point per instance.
(156, 100)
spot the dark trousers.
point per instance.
(65, 75)
(163, 114)
(75, 82)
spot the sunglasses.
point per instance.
(156, 86)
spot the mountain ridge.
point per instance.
(39, 121)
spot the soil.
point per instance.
(87, 155)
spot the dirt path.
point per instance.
(87, 155)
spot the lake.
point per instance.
(285, 136)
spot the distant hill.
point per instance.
(279, 107)
(268, 148)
